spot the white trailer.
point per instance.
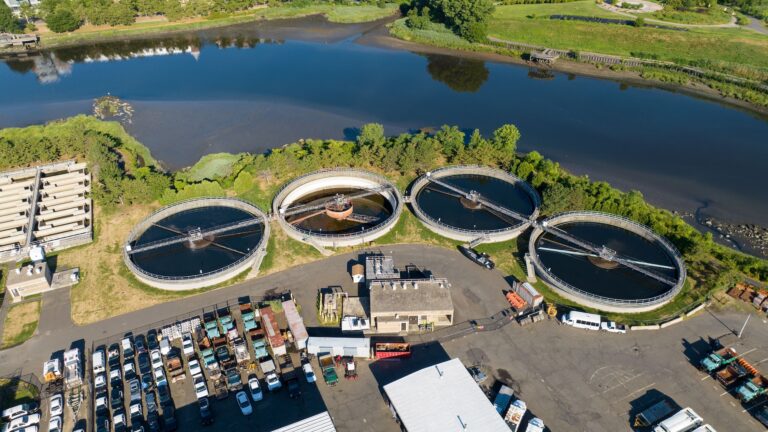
(73, 372)
(685, 420)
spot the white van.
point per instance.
(705, 428)
(19, 411)
(98, 362)
(684, 421)
(582, 320)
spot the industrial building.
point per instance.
(405, 305)
(444, 398)
(317, 423)
(340, 346)
(37, 278)
(46, 206)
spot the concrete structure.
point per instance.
(295, 324)
(598, 302)
(334, 179)
(251, 260)
(37, 278)
(46, 206)
(317, 423)
(466, 235)
(380, 267)
(340, 346)
(405, 305)
(442, 398)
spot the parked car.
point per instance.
(102, 424)
(157, 360)
(23, 421)
(273, 382)
(612, 327)
(152, 340)
(100, 404)
(153, 422)
(136, 410)
(186, 345)
(194, 367)
(144, 364)
(163, 393)
(129, 369)
(255, 388)
(55, 405)
(160, 377)
(169, 420)
(119, 421)
(309, 374)
(116, 398)
(135, 388)
(19, 411)
(141, 344)
(54, 424)
(113, 355)
(165, 346)
(151, 401)
(100, 382)
(138, 426)
(206, 415)
(201, 388)
(115, 378)
(243, 403)
(127, 346)
(147, 382)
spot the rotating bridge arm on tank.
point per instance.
(193, 235)
(303, 208)
(607, 254)
(476, 197)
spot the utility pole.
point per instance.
(745, 325)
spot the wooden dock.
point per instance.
(18, 40)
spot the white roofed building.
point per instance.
(443, 398)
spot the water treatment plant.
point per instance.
(474, 204)
(197, 243)
(340, 207)
(606, 262)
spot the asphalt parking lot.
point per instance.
(574, 380)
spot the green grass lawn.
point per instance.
(212, 167)
(581, 8)
(714, 15)
(20, 323)
(735, 46)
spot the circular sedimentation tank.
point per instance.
(338, 207)
(606, 262)
(197, 243)
(469, 203)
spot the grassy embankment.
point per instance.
(334, 13)
(706, 16)
(739, 52)
(14, 392)
(20, 323)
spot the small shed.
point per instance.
(295, 324)
(358, 273)
(268, 321)
(340, 346)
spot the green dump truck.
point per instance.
(328, 367)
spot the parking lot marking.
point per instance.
(761, 361)
(639, 390)
(724, 393)
(705, 377)
(623, 383)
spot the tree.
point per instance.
(505, 143)
(8, 22)
(62, 21)
(26, 11)
(467, 18)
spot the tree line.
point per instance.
(466, 18)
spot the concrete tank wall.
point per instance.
(206, 280)
(604, 303)
(331, 179)
(454, 233)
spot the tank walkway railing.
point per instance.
(606, 254)
(194, 235)
(565, 286)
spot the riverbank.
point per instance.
(342, 14)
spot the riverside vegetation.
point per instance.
(128, 184)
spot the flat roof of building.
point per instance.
(317, 423)
(444, 398)
(410, 295)
(295, 322)
(380, 267)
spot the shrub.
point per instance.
(62, 21)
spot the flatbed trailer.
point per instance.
(392, 350)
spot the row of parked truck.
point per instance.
(733, 371)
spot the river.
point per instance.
(256, 86)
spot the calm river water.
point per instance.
(257, 86)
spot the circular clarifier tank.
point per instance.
(606, 261)
(341, 207)
(470, 202)
(196, 243)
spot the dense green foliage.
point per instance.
(755, 8)
(466, 18)
(123, 170)
(62, 21)
(8, 22)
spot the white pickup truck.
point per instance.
(612, 327)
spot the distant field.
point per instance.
(732, 45)
(713, 16)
